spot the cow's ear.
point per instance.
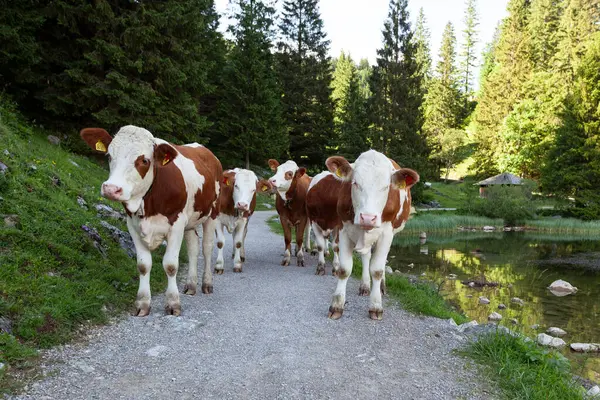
(273, 164)
(164, 154)
(405, 178)
(97, 138)
(228, 178)
(300, 172)
(340, 167)
(263, 186)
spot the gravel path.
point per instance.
(263, 334)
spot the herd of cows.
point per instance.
(168, 191)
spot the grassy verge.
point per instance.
(52, 276)
(419, 298)
(436, 222)
(564, 226)
(264, 203)
(523, 370)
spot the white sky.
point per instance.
(355, 25)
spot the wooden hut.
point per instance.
(500, 179)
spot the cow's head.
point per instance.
(284, 174)
(245, 184)
(133, 154)
(372, 176)
(292, 190)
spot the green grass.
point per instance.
(523, 370)
(261, 200)
(449, 195)
(564, 226)
(438, 222)
(52, 278)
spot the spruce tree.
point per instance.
(304, 71)
(468, 56)
(503, 87)
(354, 121)
(543, 27)
(395, 106)
(250, 124)
(443, 106)
(342, 74)
(364, 70)
(423, 54)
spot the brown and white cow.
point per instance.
(238, 201)
(291, 184)
(372, 205)
(167, 191)
(321, 208)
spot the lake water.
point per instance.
(524, 265)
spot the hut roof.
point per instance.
(501, 179)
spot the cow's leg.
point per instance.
(171, 265)
(208, 227)
(300, 228)
(238, 242)
(327, 246)
(310, 247)
(320, 243)
(144, 265)
(220, 263)
(193, 248)
(382, 248)
(365, 281)
(336, 252)
(243, 249)
(287, 236)
(339, 296)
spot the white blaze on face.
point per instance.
(283, 177)
(371, 178)
(129, 144)
(244, 188)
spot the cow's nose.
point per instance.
(367, 220)
(242, 206)
(272, 182)
(112, 192)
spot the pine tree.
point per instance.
(397, 93)
(122, 62)
(364, 75)
(443, 106)
(423, 54)
(342, 74)
(304, 71)
(354, 126)
(250, 122)
(468, 56)
(543, 29)
(489, 58)
(503, 87)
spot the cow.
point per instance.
(167, 191)
(321, 206)
(373, 203)
(237, 203)
(290, 184)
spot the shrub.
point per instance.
(511, 203)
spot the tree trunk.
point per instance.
(247, 159)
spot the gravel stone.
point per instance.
(263, 334)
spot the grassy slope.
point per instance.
(53, 278)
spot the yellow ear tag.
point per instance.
(338, 173)
(264, 188)
(228, 182)
(166, 160)
(402, 185)
(100, 146)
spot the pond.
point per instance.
(523, 265)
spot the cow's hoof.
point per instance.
(243, 259)
(383, 288)
(143, 311)
(206, 288)
(189, 289)
(334, 272)
(376, 315)
(335, 312)
(300, 263)
(364, 290)
(320, 270)
(173, 309)
(285, 262)
(314, 252)
(326, 254)
(219, 271)
(237, 269)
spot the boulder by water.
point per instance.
(484, 300)
(562, 288)
(547, 340)
(556, 332)
(585, 347)
(494, 317)
(516, 300)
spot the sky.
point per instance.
(355, 25)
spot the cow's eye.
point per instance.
(145, 161)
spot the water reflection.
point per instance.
(524, 265)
